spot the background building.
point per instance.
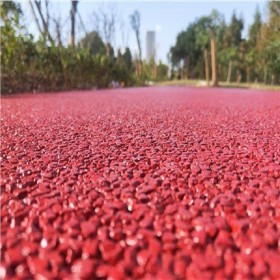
(150, 45)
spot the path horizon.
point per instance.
(141, 183)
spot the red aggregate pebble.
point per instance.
(150, 183)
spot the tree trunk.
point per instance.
(272, 79)
(58, 32)
(107, 47)
(214, 58)
(47, 13)
(229, 71)
(155, 71)
(45, 26)
(73, 14)
(139, 47)
(137, 67)
(140, 51)
(186, 67)
(35, 18)
(248, 71)
(265, 75)
(239, 78)
(206, 66)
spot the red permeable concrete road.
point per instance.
(153, 183)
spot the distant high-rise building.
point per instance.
(150, 45)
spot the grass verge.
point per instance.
(201, 83)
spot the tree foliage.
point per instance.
(36, 66)
(29, 65)
(253, 58)
(135, 20)
(93, 42)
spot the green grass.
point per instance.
(200, 83)
(178, 83)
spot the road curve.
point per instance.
(150, 183)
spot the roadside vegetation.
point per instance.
(208, 49)
(212, 50)
(46, 64)
(203, 83)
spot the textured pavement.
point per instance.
(151, 183)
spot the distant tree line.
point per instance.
(46, 64)
(211, 48)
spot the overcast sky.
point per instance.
(166, 17)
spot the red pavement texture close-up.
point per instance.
(144, 183)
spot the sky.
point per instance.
(167, 18)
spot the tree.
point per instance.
(215, 27)
(127, 59)
(192, 45)
(10, 12)
(251, 57)
(269, 45)
(203, 42)
(231, 44)
(255, 29)
(42, 26)
(162, 71)
(185, 51)
(73, 21)
(135, 21)
(58, 30)
(104, 22)
(233, 32)
(93, 42)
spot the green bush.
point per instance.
(36, 66)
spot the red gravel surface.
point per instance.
(154, 183)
